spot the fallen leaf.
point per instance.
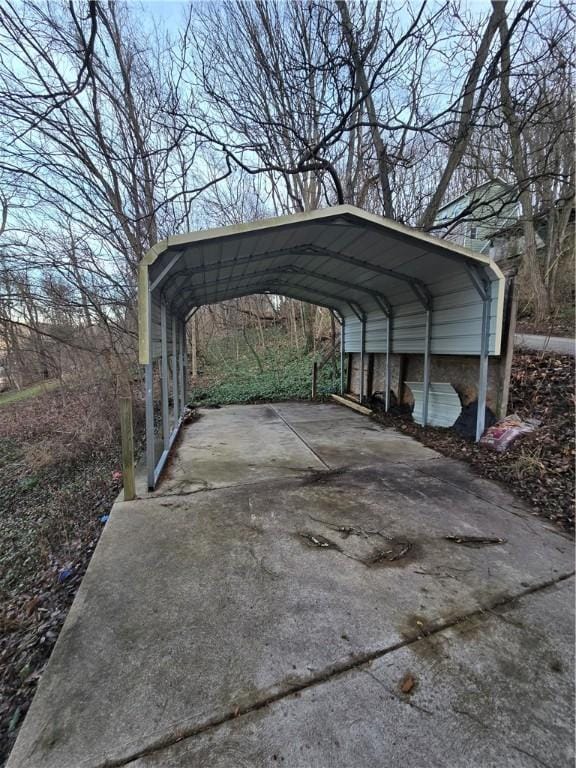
(408, 683)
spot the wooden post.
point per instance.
(127, 436)
(314, 379)
(370, 377)
(349, 361)
(402, 366)
(507, 354)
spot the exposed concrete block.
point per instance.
(459, 370)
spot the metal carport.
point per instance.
(393, 289)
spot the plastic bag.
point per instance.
(502, 434)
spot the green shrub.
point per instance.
(231, 372)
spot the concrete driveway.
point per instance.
(289, 597)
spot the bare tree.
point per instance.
(115, 136)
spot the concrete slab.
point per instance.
(359, 441)
(462, 476)
(202, 606)
(233, 445)
(297, 412)
(493, 690)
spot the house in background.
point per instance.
(484, 210)
(552, 226)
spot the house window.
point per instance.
(473, 233)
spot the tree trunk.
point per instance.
(530, 259)
(467, 112)
(379, 147)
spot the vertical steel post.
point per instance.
(388, 371)
(149, 401)
(483, 368)
(362, 345)
(342, 329)
(181, 337)
(426, 367)
(150, 448)
(175, 398)
(184, 365)
(484, 288)
(164, 376)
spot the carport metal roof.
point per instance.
(392, 288)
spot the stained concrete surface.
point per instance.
(238, 444)
(360, 718)
(210, 631)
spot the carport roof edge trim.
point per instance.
(442, 247)
(332, 212)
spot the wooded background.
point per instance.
(120, 126)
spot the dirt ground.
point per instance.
(59, 475)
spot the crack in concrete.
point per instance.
(523, 514)
(529, 754)
(486, 727)
(214, 489)
(472, 717)
(291, 428)
(358, 662)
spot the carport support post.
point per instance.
(184, 365)
(388, 372)
(484, 287)
(149, 400)
(362, 346)
(175, 388)
(181, 347)
(150, 452)
(342, 358)
(483, 372)
(426, 367)
(164, 376)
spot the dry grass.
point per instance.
(14, 396)
(59, 461)
(58, 455)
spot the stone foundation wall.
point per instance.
(459, 371)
